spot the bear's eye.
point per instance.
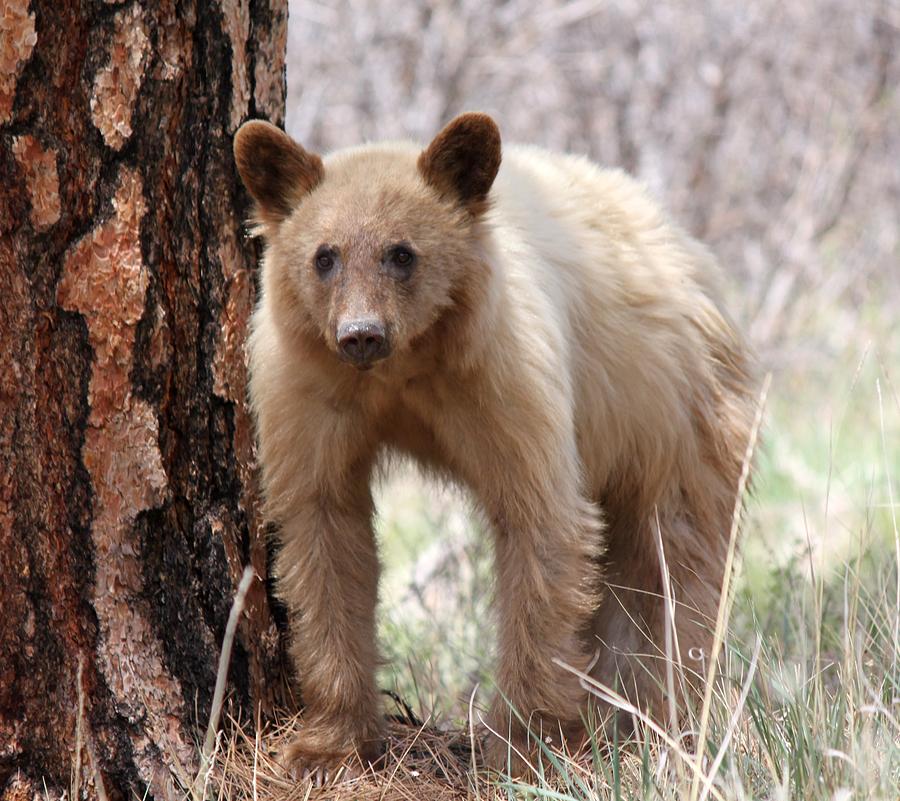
(324, 260)
(402, 258)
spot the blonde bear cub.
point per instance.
(535, 329)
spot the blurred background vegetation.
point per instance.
(770, 131)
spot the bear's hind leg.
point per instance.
(654, 644)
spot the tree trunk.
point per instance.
(128, 503)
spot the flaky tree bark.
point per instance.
(128, 506)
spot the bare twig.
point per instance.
(198, 789)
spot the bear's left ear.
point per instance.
(463, 159)
(274, 168)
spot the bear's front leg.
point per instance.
(547, 585)
(328, 576)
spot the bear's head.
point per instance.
(367, 249)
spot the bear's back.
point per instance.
(631, 299)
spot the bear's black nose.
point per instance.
(363, 341)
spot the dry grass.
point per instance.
(420, 762)
(423, 762)
(824, 726)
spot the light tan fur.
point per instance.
(562, 352)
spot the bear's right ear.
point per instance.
(275, 169)
(463, 159)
